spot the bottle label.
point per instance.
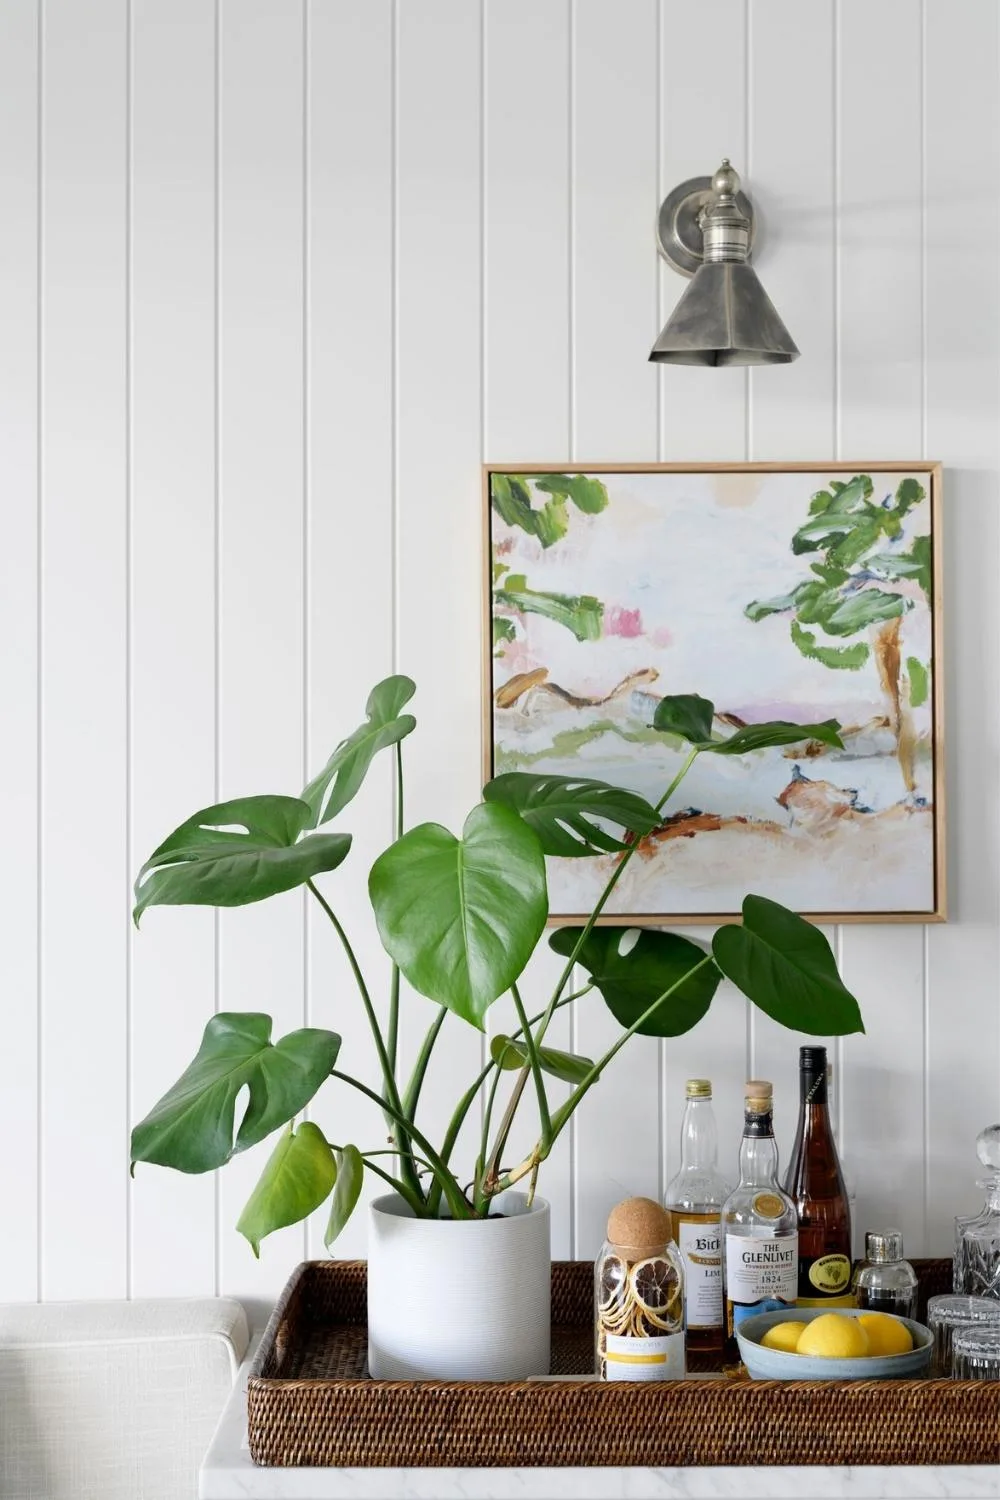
(628, 1358)
(828, 1273)
(700, 1245)
(767, 1206)
(762, 1274)
(825, 1280)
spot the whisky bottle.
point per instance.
(759, 1223)
(815, 1183)
(694, 1201)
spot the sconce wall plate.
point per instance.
(725, 317)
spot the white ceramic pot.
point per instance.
(459, 1299)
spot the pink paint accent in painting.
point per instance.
(623, 622)
(662, 636)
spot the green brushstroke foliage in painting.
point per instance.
(512, 498)
(861, 583)
(918, 676)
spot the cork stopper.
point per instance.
(639, 1227)
(698, 1088)
(759, 1095)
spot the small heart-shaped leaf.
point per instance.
(511, 1055)
(297, 1178)
(340, 779)
(350, 1176)
(687, 715)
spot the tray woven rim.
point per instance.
(302, 1420)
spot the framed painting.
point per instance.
(803, 592)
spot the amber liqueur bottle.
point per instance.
(815, 1184)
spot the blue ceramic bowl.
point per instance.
(775, 1364)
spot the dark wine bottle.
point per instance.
(815, 1184)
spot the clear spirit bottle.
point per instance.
(759, 1222)
(694, 1201)
(977, 1240)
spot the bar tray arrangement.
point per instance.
(311, 1402)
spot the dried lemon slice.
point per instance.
(654, 1286)
(614, 1275)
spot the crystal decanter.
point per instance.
(977, 1238)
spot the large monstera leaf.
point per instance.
(191, 1128)
(298, 1177)
(235, 853)
(563, 811)
(632, 968)
(341, 778)
(461, 917)
(786, 967)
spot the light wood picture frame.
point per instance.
(798, 591)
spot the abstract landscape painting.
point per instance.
(803, 593)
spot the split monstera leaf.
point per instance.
(459, 916)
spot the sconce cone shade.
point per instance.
(725, 317)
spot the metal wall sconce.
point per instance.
(705, 231)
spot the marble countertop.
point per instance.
(229, 1473)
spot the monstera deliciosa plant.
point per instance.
(459, 917)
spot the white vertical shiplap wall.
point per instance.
(527, 401)
(880, 335)
(274, 280)
(84, 644)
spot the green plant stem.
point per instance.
(487, 1121)
(366, 1000)
(564, 1112)
(417, 1204)
(392, 1035)
(493, 1165)
(456, 1201)
(536, 1068)
(400, 1187)
(416, 1083)
(391, 1103)
(605, 897)
(392, 1151)
(468, 1098)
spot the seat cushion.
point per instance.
(113, 1400)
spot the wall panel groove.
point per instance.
(275, 280)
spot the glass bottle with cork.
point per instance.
(694, 1200)
(759, 1223)
(815, 1183)
(639, 1296)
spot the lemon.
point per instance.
(784, 1336)
(832, 1336)
(886, 1335)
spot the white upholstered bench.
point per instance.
(113, 1400)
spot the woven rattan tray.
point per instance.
(311, 1403)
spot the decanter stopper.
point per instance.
(988, 1147)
